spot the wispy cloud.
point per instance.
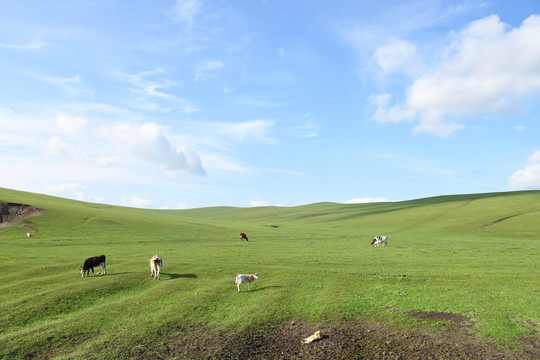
(149, 85)
(251, 131)
(72, 86)
(207, 69)
(185, 11)
(34, 45)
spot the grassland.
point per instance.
(473, 255)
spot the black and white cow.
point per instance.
(378, 240)
(91, 262)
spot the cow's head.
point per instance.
(83, 272)
(256, 275)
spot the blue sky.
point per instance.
(187, 103)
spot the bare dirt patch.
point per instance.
(353, 340)
(11, 213)
(442, 316)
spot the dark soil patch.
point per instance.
(353, 340)
(441, 316)
(10, 213)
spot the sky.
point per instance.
(175, 104)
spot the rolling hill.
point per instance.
(469, 262)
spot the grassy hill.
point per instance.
(473, 255)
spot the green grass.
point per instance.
(450, 254)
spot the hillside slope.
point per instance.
(465, 262)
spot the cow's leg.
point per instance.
(238, 286)
(103, 269)
(93, 273)
(249, 286)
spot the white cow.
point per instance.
(378, 240)
(243, 278)
(155, 266)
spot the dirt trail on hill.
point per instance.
(10, 213)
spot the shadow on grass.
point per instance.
(180, 276)
(116, 274)
(265, 287)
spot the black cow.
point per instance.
(243, 236)
(90, 263)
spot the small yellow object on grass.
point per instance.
(316, 336)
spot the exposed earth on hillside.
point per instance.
(354, 340)
(10, 213)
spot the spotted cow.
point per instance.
(243, 278)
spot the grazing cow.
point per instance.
(378, 240)
(155, 266)
(242, 279)
(243, 236)
(90, 263)
(28, 234)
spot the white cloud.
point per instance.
(182, 206)
(529, 177)
(57, 147)
(258, 202)
(395, 55)
(480, 73)
(148, 142)
(139, 202)
(204, 71)
(71, 125)
(69, 188)
(366, 200)
(108, 161)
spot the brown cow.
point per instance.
(243, 236)
(155, 266)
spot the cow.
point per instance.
(243, 278)
(243, 236)
(28, 234)
(155, 266)
(91, 262)
(378, 240)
